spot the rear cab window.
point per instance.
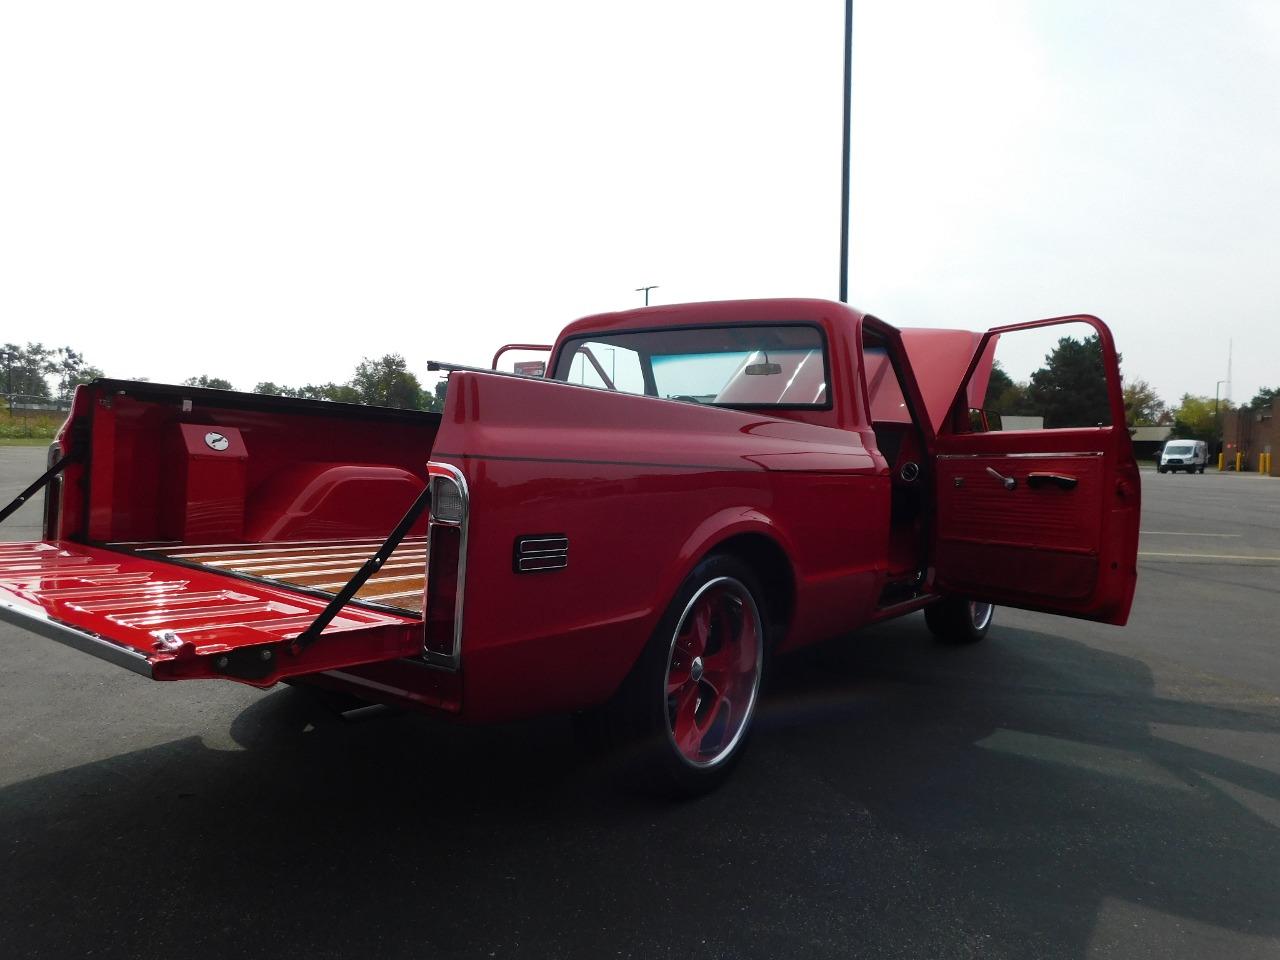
(782, 366)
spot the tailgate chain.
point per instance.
(369, 568)
(35, 488)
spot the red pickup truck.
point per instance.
(687, 490)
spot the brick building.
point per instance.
(1252, 432)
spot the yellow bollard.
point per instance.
(1262, 462)
(1239, 460)
(1221, 458)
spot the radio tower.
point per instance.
(1228, 373)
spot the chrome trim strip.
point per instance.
(1017, 456)
(37, 622)
(540, 553)
(538, 564)
(448, 471)
(284, 546)
(533, 545)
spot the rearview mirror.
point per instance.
(763, 369)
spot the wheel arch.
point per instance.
(759, 542)
(770, 563)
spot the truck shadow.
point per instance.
(900, 800)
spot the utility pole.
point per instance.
(1230, 344)
(844, 155)
(1217, 430)
(645, 291)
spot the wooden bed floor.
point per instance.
(319, 565)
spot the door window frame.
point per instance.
(959, 422)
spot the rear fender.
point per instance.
(717, 529)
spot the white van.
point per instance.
(1188, 455)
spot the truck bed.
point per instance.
(316, 565)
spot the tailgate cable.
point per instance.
(35, 488)
(370, 567)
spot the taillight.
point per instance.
(53, 495)
(446, 564)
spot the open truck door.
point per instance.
(1034, 509)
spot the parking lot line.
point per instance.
(1210, 556)
(1182, 533)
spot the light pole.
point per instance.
(1217, 431)
(646, 290)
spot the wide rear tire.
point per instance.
(957, 621)
(685, 712)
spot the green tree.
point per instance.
(387, 382)
(71, 371)
(338, 392)
(1142, 406)
(1004, 395)
(210, 383)
(1070, 390)
(86, 374)
(25, 369)
(343, 392)
(1263, 399)
(1193, 417)
(433, 399)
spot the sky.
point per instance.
(273, 190)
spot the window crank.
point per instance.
(1008, 483)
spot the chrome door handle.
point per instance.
(1059, 480)
(1008, 483)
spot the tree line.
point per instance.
(1069, 391)
(28, 370)
(384, 382)
(53, 373)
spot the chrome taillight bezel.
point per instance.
(53, 495)
(449, 491)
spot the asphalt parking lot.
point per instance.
(1062, 790)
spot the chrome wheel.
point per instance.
(980, 614)
(713, 672)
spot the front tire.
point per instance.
(687, 707)
(957, 621)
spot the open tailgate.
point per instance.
(171, 622)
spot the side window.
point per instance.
(606, 365)
(884, 391)
(1045, 378)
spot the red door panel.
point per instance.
(1040, 542)
(1041, 519)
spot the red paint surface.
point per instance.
(181, 619)
(642, 489)
(137, 432)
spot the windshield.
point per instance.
(1178, 449)
(783, 365)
